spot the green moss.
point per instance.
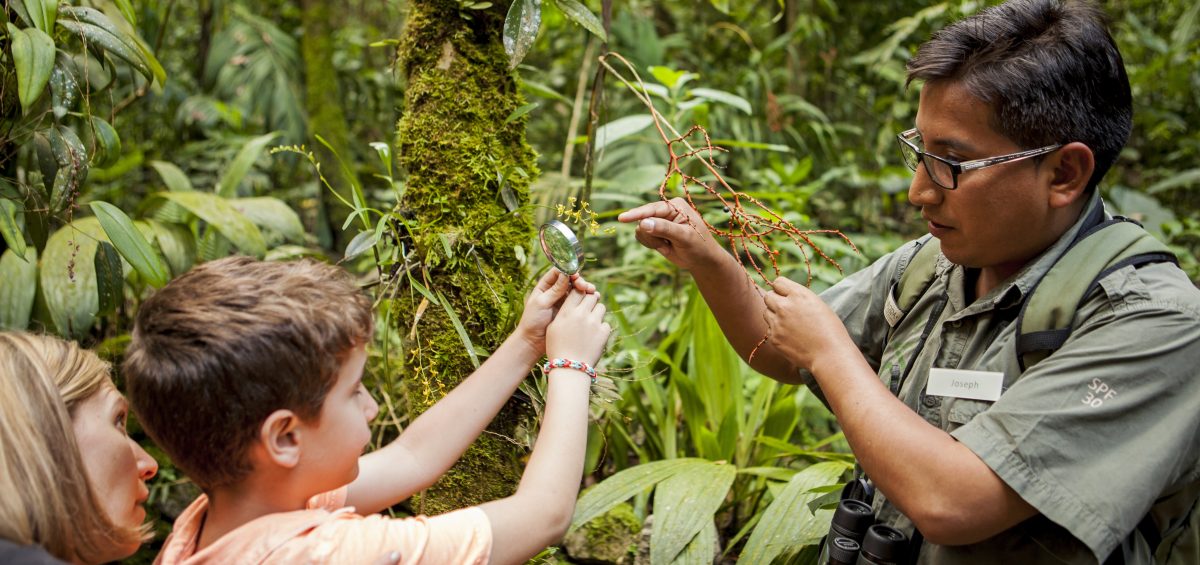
(459, 156)
(608, 538)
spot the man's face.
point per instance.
(998, 218)
(333, 444)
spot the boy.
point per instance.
(248, 374)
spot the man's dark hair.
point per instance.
(220, 348)
(1048, 68)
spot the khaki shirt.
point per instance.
(1091, 437)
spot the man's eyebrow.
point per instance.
(947, 142)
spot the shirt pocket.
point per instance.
(959, 411)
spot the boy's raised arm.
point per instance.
(436, 439)
(538, 514)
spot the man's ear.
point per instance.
(1073, 165)
(279, 438)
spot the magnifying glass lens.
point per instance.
(561, 247)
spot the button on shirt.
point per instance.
(1091, 436)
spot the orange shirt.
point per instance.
(328, 533)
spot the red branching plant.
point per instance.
(751, 223)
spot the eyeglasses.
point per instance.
(944, 172)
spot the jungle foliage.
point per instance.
(139, 137)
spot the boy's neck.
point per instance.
(234, 506)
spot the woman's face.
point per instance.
(116, 465)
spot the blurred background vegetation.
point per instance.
(138, 137)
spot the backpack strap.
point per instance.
(1046, 318)
(914, 275)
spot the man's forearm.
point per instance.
(940, 484)
(737, 304)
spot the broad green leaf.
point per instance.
(621, 128)
(721, 5)
(516, 114)
(227, 186)
(42, 13)
(521, 29)
(33, 57)
(8, 227)
(110, 279)
(788, 521)
(544, 91)
(684, 505)
(108, 143)
(67, 276)
(723, 97)
(669, 77)
(177, 244)
(625, 484)
(19, 289)
(98, 31)
(156, 68)
(584, 17)
(131, 243)
(718, 369)
(173, 176)
(273, 215)
(701, 549)
(220, 214)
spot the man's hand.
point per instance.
(802, 327)
(543, 303)
(676, 231)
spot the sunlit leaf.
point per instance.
(521, 29)
(220, 214)
(361, 243)
(172, 176)
(684, 505)
(131, 243)
(788, 520)
(625, 484)
(42, 13)
(177, 244)
(583, 16)
(273, 215)
(621, 128)
(723, 97)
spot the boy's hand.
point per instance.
(578, 332)
(543, 302)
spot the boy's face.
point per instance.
(333, 444)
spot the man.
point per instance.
(1023, 109)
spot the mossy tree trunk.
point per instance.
(466, 168)
(323, 104)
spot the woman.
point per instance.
(71, 480)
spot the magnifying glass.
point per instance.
(561, 247)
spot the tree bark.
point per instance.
(323, 104)
(463, 163)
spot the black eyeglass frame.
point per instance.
(957, 168)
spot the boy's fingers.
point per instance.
(548, 280)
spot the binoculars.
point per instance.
(854, 537)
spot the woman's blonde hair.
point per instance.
(45, 496)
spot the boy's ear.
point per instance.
(1073, 165)
(279, 437)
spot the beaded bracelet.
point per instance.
(557, 363)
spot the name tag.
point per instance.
(955, 383)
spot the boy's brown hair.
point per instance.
(220, 348)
